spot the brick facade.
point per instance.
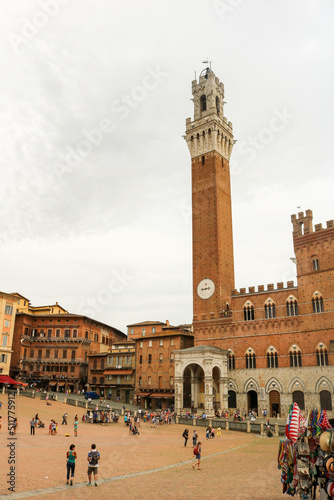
(279, 339)
(155, 362)
(51, 350)
(112, 374)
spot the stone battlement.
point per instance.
(261, 288)
(303, 224)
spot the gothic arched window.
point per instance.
(269, 309)
(292, 306)
(231, 361)
(248, 312)
(272, 358)
(317, 303)
(250, 359)
(315, 264)
(203, 102)
(295, 357)
(322, 355)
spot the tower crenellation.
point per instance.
(303, 222)
(261, 288)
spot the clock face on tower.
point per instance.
(205, 288)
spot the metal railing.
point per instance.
(28, 394)
(54, 339)
(72, 402)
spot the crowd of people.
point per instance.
(100, 416)
(133, 421)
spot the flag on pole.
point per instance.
(294, 426)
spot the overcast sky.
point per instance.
(95, 173)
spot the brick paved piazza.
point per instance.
(152, 465)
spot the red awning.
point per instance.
(61, 383)
(4, 379)
(162, 395)
(52, 383)
(118, 372)
(143, 394)
(22, 383)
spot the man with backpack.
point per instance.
(93, 464)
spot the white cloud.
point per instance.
(126, 205)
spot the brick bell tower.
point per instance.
(210, 141)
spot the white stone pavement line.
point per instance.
(54, 489)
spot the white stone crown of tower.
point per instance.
(209, 130)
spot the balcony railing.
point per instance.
(55, 361)
(47, 339)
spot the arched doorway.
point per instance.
(298, 397)
(195, 370)
(193, 387)
(187, 388)
(232, 399)
(215, 388)
(252, 401)
(274, 403)
(325, 400)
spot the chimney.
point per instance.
(167, 322)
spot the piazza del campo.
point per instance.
(241, 392)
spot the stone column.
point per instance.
(178, 395)
(194, 391)
(208, 397)
(223, 393)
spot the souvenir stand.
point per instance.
(306, 455)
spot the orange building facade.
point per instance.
(8, 305)
(51, 349)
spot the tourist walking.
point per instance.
(195, 437)
(93, 464)
(197, 452)
(219, 432)
(71, 456)
(76, 427)
(64, 422)
(186, 436)
(33, 424)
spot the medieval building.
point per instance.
(264, 347)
